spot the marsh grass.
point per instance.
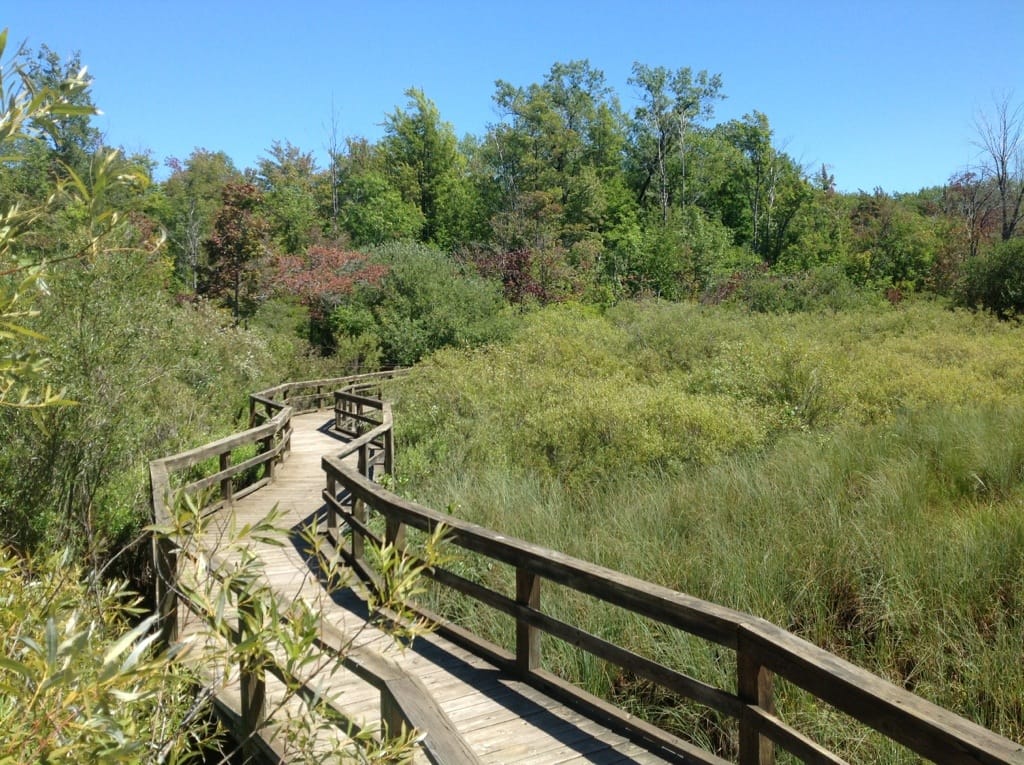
(873, 504)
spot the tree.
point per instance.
(771, 182)
(421, 157)
(372, 210)
(235, 249)
(553, 169)
(321, 279)
(671, 102)
(288, 179)
(892, 244)
(36, 110)
(193, 194)
(72, 139)
(971, 200)
(1001, 139)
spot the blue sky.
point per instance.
(885, 93)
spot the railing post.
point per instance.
(394, 533)
(392, 721)
(389, 452)
(332, 513)
(338, 403)
(359, 510)
(252, 677)
(267, 444)
(252, 412)
(754, 683)
(527, 636)
(226, 491)
(167, 588)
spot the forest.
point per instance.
(648, 328)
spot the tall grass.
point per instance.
(855, 478)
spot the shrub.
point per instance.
(424, 302)
(995, 281)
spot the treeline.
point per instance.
(567, 196)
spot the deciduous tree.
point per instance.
(235, 249)
(288, 179)
(1000, 136)
(193, 194)
(671, 103)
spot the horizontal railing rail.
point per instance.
(405, 703)
(762, 650)
(403, 700)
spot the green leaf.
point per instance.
(126, 640)
(16, 666)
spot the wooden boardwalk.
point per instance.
(502, 719)
(470, 701)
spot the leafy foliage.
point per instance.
(995, 280)
(423, 302)
(235, 249)
(79, 678)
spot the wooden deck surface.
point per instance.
(501, 719)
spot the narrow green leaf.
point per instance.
(16, 666)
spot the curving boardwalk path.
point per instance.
(501, 719)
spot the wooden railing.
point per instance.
(762, 650)
(404, 700)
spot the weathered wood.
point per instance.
(923, 727)
(755, 689)
(253, 681)
(792, 740)
(228, 471)
(527, 635)
(166, 557)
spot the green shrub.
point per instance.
(995, 280)
(425, 302)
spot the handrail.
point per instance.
(403, 701)
(762, 649)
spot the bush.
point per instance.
(425, 301)
(825, 288)
(995, 281)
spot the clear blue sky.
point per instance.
(884, 92)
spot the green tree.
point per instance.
(371, 209)
(672, 104)
(288, 179)
(72, 139)
(892, 244)
(193, 193)
(765, 188)
(554, 174)
(421, 156)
